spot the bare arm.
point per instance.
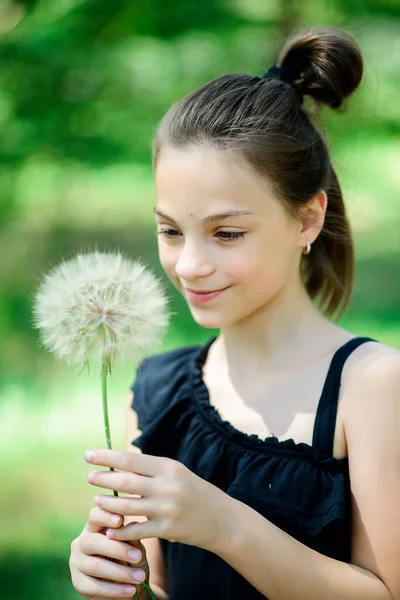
(158, 577)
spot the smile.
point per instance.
(203, 297)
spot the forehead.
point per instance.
(200, 175)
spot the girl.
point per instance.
(270, 455)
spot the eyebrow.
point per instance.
(210, 218)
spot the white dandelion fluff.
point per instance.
(100, 307)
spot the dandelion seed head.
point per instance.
(100, 306)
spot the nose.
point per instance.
(193, 262)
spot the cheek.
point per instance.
(266, 264)
(168, 258)
(165, 257)
(241, 265)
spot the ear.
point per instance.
(313, 217)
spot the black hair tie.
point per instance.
(279, 73)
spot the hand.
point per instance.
(179, 505)
(95, 577)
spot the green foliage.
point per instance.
(82, 87)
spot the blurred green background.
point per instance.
(82, 87)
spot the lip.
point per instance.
(203, 291)
(203, 296)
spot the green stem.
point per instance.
(149, 591)
(104, 372)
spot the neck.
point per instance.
(286, 332)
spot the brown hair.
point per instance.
(264, 122)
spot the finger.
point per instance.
(92, 587)
(97, 544)
(102, 568)
(126, 506)
(97, 525)
(98, 519)
(139, 531)
(143, 464)
(131, 482)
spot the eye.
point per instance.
(233, 235)
(167, 233)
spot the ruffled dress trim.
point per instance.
(271, 444)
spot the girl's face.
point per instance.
(252, 255)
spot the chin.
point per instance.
(212, 321)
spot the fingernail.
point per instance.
(129, 590)
(138, 576)
(114, 519)
(135, 554)
(89, 456)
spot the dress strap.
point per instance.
(325, 420)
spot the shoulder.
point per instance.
(158, 382)
(170, 359)
(372, 387)
(165, 368)
(372, 363)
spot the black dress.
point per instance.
(302, 489)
